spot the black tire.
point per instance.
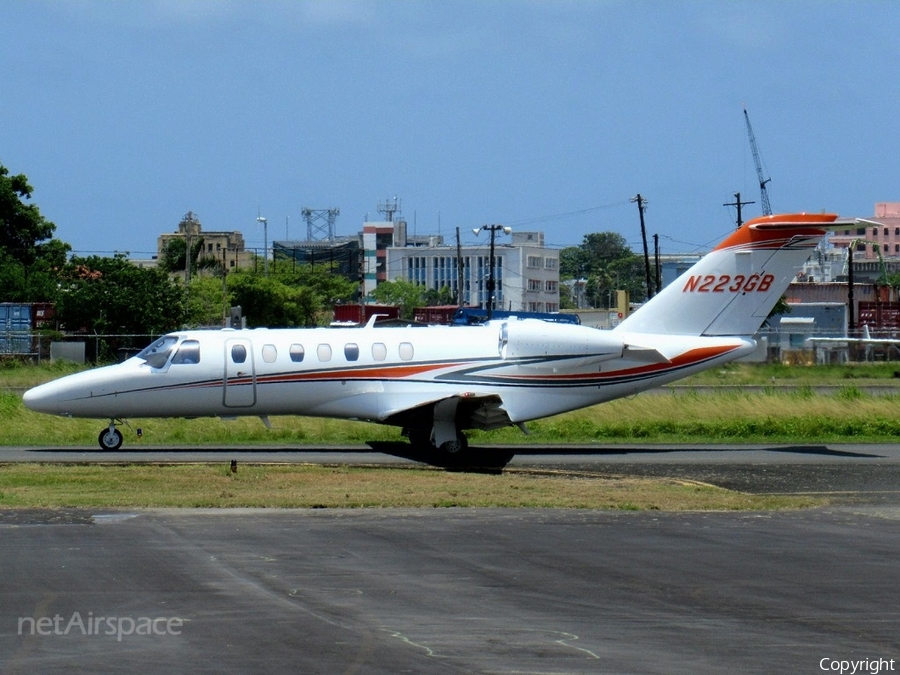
(458, 447)
(110, 439)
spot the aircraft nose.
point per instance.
(42, 398)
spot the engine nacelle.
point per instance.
(530, 338)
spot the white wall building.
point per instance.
(526, 274)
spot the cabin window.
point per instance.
(351, 351)
(406, 351)
(296, 353)
(269, 353)
(158, 353)
(238, 353)
(379, 351)
(323, 351)
(188, 353)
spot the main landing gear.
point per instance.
(422, 438)
(445, 451)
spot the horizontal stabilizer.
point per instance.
(644, 354)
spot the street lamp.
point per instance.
(265, 225)
(493, 229)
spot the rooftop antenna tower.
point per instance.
(389, 207)
(320, 223)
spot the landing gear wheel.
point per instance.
(456, 447)
(110, 439)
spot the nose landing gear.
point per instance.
(110, 438)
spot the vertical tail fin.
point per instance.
(731, 290)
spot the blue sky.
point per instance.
(543, 115)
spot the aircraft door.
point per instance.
(240, 376)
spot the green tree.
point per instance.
(406, 295)
(173, 254)
(30, 258)
(566, 301)
(440, 297)
(606, 262)
(267, 301)
(301, 297)
(207, 302)
(112, 296)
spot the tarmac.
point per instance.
(474, 590)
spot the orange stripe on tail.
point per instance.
(778, 229)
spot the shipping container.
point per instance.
(880, 316)
(43, 315)
(15, 328)
(440, 314)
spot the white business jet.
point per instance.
(843, 343)
(438, 381)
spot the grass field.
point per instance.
(727, 414)
(681, 415)
(305, 486)
(730, 414)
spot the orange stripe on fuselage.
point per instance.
(686, 359)
(375, 373)
(774, 229)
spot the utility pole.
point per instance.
(640, 202)
(851, 321)
(493, 229)
(265, 224)
(656, 262)
(738, 203)
(459, 271)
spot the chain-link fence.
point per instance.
(79, 347)
(783, 345)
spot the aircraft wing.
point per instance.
(476, 411)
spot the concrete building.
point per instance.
(225, 247)
(885, 236)
(827, 264)
(377, 238)
(672, 266)
(526, 274)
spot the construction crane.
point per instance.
(764, 196)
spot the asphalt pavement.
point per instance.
(469, 590)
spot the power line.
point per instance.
(568, 214)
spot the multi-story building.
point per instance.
(225, 247)
(871, 241)
(526, 274)
(377, 237)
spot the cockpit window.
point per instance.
(158, 353)
(188, 353)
